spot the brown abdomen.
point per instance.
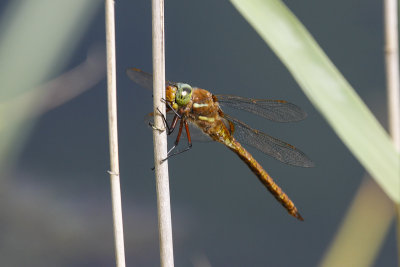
(264, 178)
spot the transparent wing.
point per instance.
(142, 78)
(274, 110)
(269, 145)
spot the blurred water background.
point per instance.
(55, 199)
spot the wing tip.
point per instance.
(309, 164)
(303, 162)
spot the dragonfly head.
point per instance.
(183, 94)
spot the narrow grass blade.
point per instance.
(327, 89)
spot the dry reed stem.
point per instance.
(392, 83)
(113, 133)
(160, 137)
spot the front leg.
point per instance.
(170, 128)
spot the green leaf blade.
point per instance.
(327, 89)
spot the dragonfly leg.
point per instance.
(156, 128)
(178, 137)
(170, 107)
(183, 122)
(164, 121)
(170, 128)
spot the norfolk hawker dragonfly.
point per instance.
(201, 108)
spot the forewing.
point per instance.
(274, 110)
(269, 145)
(142, 78)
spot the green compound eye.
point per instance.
(183, 94)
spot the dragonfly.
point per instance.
(195, 106)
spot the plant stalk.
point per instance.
(392, 85)
(160, 137)
(113, 135)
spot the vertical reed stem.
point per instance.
(392, 83)
(113, 134)
(160, 137)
